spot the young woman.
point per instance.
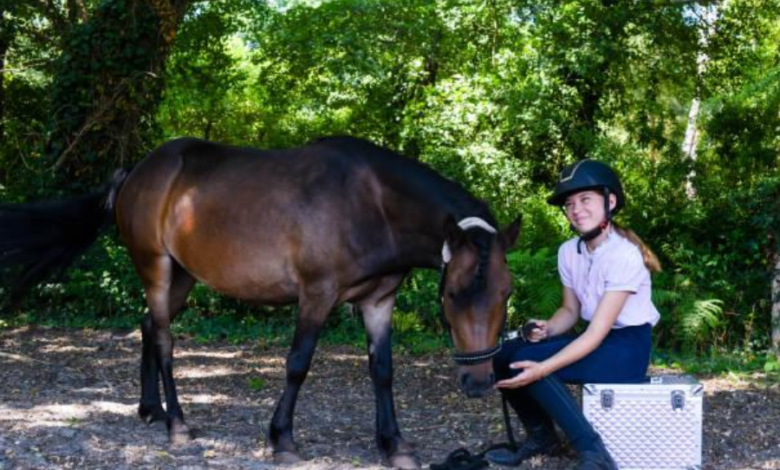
(605, 273)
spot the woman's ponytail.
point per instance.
(651, 260)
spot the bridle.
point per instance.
(475, 357)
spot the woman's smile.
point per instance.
(585, 210)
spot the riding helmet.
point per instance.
(584, 175)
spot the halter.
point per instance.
(484, 355)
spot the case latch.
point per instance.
(678, 400)
(607, 399)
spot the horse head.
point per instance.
(475, 287)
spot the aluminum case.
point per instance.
(649, 426)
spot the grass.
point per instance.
(273, 328)
(734, 364)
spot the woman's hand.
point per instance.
(540, 331)
(532, 371)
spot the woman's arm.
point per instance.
(606, 313)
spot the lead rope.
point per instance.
(461, 458)
(510, 435)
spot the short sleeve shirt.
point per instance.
(615, 265)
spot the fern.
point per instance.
(665, 297)
(699, 320)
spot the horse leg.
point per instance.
(377, 311)
(166, 285)
(150, 408)
(313, 309)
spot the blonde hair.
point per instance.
(651, 260)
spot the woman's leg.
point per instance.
(540, 435)
(553, 396)
(622, 357)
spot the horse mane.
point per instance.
(417, 177)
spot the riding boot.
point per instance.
(541, 438)
(553, 397)
(596, 460)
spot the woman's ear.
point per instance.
(612, 202)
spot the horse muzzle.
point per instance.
(476, 381)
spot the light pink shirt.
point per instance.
(615, 265)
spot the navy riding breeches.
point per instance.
(622, 357)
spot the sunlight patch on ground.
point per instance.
(206, 354)
(267, 370)
(67, 348)
(346, 357)
(204, 372)
(63, 415)
(45, 414)
(207, 398)
(115, 407)
(271, 361)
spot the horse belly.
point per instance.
(251, 273)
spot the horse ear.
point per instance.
(454, 236)
(510, 233)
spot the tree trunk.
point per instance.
(711, 14)
(690, 142)
(108, 86)
(6, 36)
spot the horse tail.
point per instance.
(43, 238)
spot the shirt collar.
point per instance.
(611, 238)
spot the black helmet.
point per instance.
(587, 174)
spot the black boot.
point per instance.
(596, 460)
(541, 439)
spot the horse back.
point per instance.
(257, 225)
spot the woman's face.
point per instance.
(585, 210)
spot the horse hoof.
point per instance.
(286, 457)
(152, 414)
(405, 461)
(180, 434)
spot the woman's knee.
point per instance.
(515, 352)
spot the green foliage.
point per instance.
(537, 285)
(737, 364)
(410, 333)
(256, 384)
(496, 95)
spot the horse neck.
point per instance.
(417, 201)
(420, 220)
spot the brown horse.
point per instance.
(339, 220)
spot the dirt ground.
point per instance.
(68, 400)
